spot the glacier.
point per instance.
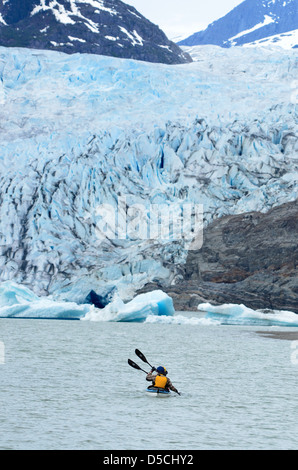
(80, 131)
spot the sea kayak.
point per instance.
(158, 392)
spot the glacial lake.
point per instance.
(67, 385)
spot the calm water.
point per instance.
(67, 385)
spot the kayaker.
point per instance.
(160, 380)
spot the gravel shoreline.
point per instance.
(284, 335)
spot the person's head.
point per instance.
(162, 370)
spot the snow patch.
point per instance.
(267, 20)
(57, 9)
(286, 40)
(135, 38)
(76, 39)
(112, 38)
(65, 16)
(97, 4)
(2, 20)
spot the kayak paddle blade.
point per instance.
(142, 357)
(135, 366)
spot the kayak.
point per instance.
(158, 392)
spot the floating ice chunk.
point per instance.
(17, 301)
(240, 314)
(137, 310)
(12, 294)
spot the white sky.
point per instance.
(183, 17)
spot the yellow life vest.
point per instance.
(160, 381)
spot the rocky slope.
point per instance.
(107, 27)
(249, 259)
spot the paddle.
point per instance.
(141, 356)
(135, 366)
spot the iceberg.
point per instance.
(234, 314)
(17, 301)
(151, 304)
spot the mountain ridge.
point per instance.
(103, 27)
(249, 22)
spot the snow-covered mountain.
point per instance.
(107, 27)
(78, 131)
(252, 22)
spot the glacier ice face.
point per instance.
(83, 130)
